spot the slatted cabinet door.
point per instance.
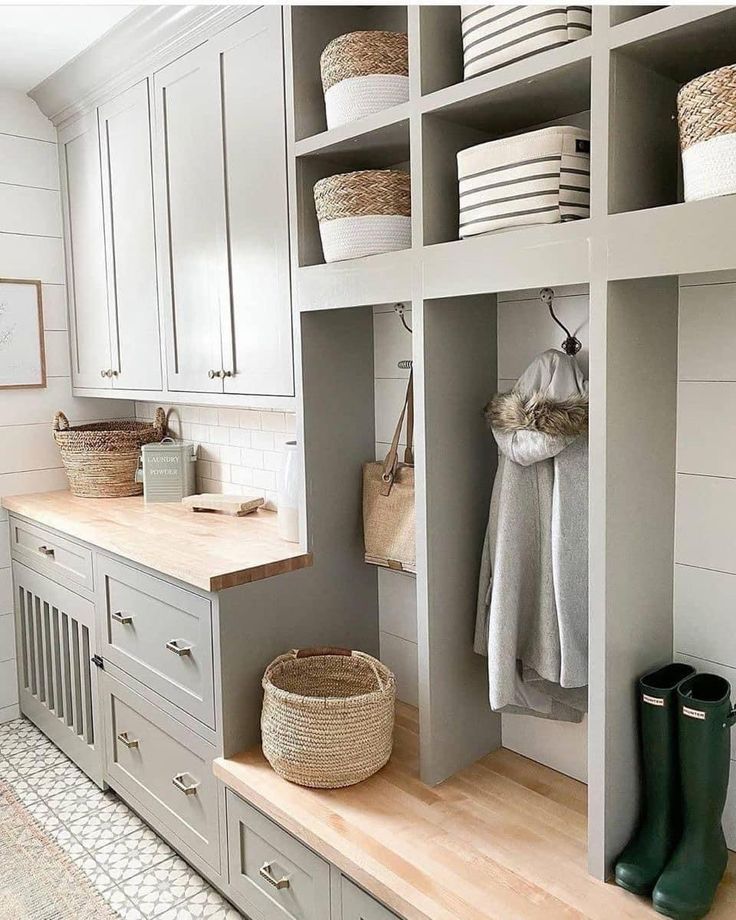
(127, 188)
(58, 682)
(84, 241)
(191, 232)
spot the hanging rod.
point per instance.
(572, 344)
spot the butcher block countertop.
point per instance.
(209, 551)
(503, 839)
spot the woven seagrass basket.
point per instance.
(363, 213)
(706, 115)
(328, 716)
(101, 458)
(363, 73)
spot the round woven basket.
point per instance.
(363, 73)
(101, 459)
(706, 115)
(328, 716)
(363, 213)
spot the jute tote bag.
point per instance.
(388, 499)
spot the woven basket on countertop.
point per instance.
(363, 73)
(363, 213)
(101, 458)
(706, 115)
(328, 716)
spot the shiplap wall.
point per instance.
(525, 329)
(31, 248)
(705, 522)
(397, 595)
(238, 450)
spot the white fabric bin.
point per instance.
(541, 177)
(494, 36)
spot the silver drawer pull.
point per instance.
(128, 742)
(176, 646)
(121, 617)
(189, 788)
(47, 551)
(266, 873)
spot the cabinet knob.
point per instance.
(212, 374)
(114, 373)
(227, 374)
(103, 373)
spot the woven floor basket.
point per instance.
(363, 213)
(100, 459)
(706, 115)
(328, 716)
(363, 73)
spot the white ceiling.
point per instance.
(37, 40)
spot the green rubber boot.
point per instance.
(686, 888)
(648, 851)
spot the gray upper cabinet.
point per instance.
(79, 163)
(257, 342)
(127, 187)
(192, 238)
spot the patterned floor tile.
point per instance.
(79, 799)
(32, 760)
(22, 738)
(116, 898)
(49, 782)
(43, 815)
(133, 854)
(94, 872)
(206, 905)
(95, 829)
(164, 886)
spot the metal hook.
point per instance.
(572, 344)
(399, 309)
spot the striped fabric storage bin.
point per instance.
(494, 36)
(542, 177)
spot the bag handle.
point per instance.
(391, 462)
(61, 422)
(321, 650)
(160, 423)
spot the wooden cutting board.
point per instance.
(237, 505)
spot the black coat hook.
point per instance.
(571, 345)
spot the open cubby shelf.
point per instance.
(622, 82)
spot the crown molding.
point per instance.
(149, 38)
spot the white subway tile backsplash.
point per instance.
(249, 418)
(208, 416)
(272, 460)
(263, 440)
(230, 454)
(252, 458)
(239, 437)
(273, 421)
(228, 417)
(264, 479)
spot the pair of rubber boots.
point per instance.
(678, 854)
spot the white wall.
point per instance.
(31, 248)
(705, 523)
(525, 329)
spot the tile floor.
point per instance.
(136, 872)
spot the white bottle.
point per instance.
(289, 492)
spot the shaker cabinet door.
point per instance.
(127, 186)
(257, 339)
(84, 241)
(192, 244)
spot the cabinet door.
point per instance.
(192, 243)
(81, 196)
(127, 185)
(257, 340)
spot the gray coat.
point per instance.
(532, 618)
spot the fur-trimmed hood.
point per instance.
(544, 413)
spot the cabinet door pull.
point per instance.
(228, 374)
(212, 374)
(266, 873)
(121, 617)
(176, 646)
(127, 741)
(189, 788)
(47, 551)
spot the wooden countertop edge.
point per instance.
(214, 583)
(332, 851)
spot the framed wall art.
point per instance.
(22, 355)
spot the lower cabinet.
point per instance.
(273, 876)
(55, 630)
(164, 766)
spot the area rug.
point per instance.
(38, 880)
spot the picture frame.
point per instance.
(22, 348)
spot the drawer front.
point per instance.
(165, 765)
(357, 905)
(160, 634)
(50, 554)
(270, 870)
